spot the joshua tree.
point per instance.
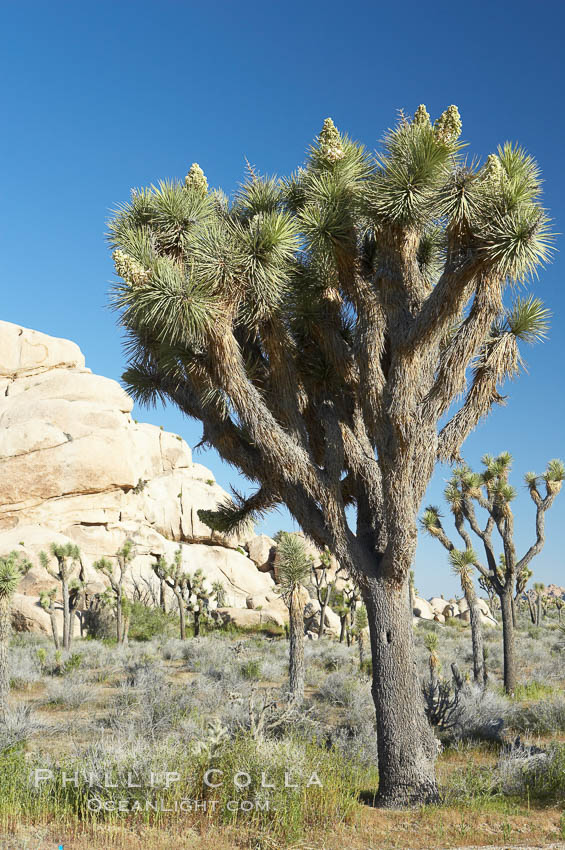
(172, 575)
(462, 563)
(219, 593)
(559, 603)
(197, 597)
(322, 586)
(341, 608)
(294, 571)
(67, 556)
(321, 327)
(47, 602)
(12, 568)
(361, 623)
(492, 492)
(539, 588)
(116, 591)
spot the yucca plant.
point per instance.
(294, 567)
(12, 568)
(67, 571)
(491, 491)
(322, 327)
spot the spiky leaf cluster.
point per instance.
(12, 568)
(294, 564)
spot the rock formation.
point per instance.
(75, 465)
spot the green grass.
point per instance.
(532, 690)
(327, 789)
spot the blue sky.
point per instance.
(99, 97)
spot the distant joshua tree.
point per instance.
(539, 588)
(171, 575)
(116, 590)
(294, 572)
(492, 491)
(361, 623)
(69, 573)
(47, 602)
(323, 586)
(12, 568)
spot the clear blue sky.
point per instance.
(98, 97)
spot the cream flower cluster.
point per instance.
(448, 126)
(196, 179)
(129, 269)
(329, 141)
(421, 116)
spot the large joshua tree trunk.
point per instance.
(296, 647)
(508, 640)
(5, 631)
(405, 740)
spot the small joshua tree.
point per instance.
(116, 591)
(352, 597)
(323, 586)
(361, 623)
(172, 576)
(462, 563)
(539, 588)
(492, 492)
(341, 608)
(12, 568)
(47, 602)
(294, 571)
(197, 598)
(219, 592)
(69, 567)
(559, 603)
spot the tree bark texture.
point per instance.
(405, 741)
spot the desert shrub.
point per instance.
(329, 655)
(251, 669)
(544, 717)
(273, 668)
(173, 649)
(20, 724)
(481, 714)
(70, 692)
(100, 622)
(146, 623)
(25, 667)
(529, 770)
